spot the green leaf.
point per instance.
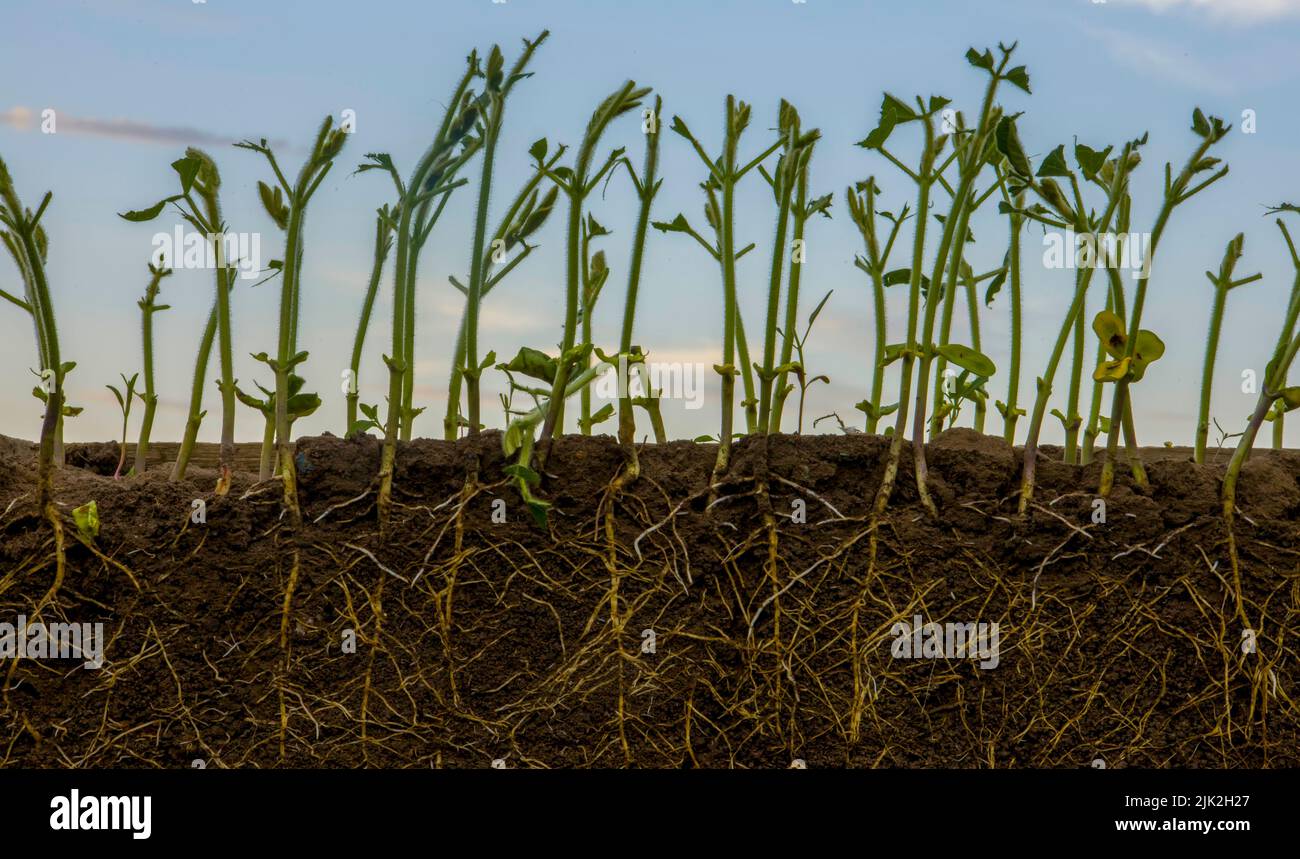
(1090, 160)
(87, 519)
(968, 359)
(1200, 124)
(893, 352)
(302, 405)
(1008, 141)
(141, 215)
(995, 285)
(360, 426)
(538, 150)
(678, 224)
(1053, 194)
(1290, 398)
(524, 473)
(892, 112)
(978, 60)
(539, 509)
(188, 168)
(938, 103)
(603, 414)
(512, 439)
(273, 202)
(1020, 77)
(1054, 164)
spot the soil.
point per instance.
(470, 635)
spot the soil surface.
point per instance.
(664, 625)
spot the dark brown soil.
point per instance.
(1119, 641)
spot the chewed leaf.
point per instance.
(1110, 331)
(968, 359)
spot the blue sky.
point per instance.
(132, 81)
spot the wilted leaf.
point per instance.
(1147, 351)
(1111, 371)
(1110, 331)
(87, 519)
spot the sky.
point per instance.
(133, 82)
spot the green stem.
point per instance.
(191, 432)
(774, 291)
(383, 244)
(1207, 374)
(649, 187)
(147, 310)
(792, 298)
(1072, 418)
(1083, 277)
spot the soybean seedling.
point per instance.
(300, 406)
(199, 179)
(27, 243)
(861, 200)
(385, 223)
(802, 210)
(33, 304)
(972, 151)
(1140, 350)
(1108, 174)
(148, 307)
(287, 206)
(647, 186)
(526, 215)
(498, 85)
(1009, 410)
(1274, 392)
(1223, 282)
(595, 272)
(433, 179)
(799, 365)
(124, 398)
(894, 112)
(725, 172)
(576, 183)
(1115, 303)
(970, 283)
(798, 148)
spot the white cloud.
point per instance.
(1230, 11)
(1156, 59)
(23, 118)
